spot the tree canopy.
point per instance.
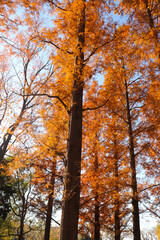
(79, 117)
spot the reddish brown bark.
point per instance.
(70, 208)
(135, 200)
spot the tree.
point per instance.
(19, 204)
(105, 169)
(27, 88)
(92, 167)
(73, 15)
(145, 27)
(130, 97)
(145, 14)
(7, 226)
(6, 191)
(16, 103)
(70, 208)
(50, 142)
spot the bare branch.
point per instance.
(50, 42)
(63, 9)
(119, 115)
(52, 96)
(95, 49)
(149, 187)
(11, 43)
(43, 212)
(153, 212)
(141, 150)
(94, 108)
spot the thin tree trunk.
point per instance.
(50, 205)
(4, 145)
(152, 26)
(7, 137)
(70, 207)
(117, 222)
(48, 218)
(22, 218)
(135, 200)
(117, 205)
(96, 213)
(97, 220)
(21, 228)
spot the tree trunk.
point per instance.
(154, 29)
(50, 205)
(117, 205)
(70, 207)
(136, 222)
(21, 228)
(97, 214)
(4, 145)
(117, 222)
(48, 217)
(22, 218)
(97, 220)
(8, 135)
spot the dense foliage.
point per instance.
(79, 118)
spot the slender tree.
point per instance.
(70, 208)
(73, 16)
(131, 97)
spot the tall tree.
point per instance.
(27, 82)
(70, 208)
(80, 33)
(145, 16)
(51, 141)
(105, 176)
(92, 162)
(130, 100)
(18, 81)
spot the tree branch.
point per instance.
(52, 96)
(152, 186)
(94, 108)
(63, 9)
(95, 49)
(47, 41)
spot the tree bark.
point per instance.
(97, 220)
(21, 228)
(22, 217)
(70, 207)
(50, 205)
(117, 204)
(97, 212)
(135, 200)
(8, 135)
(117, 222)
(152, 26)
